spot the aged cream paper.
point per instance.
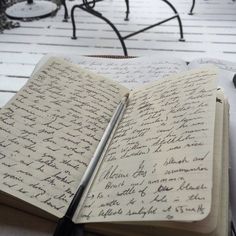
(49, 131)
(131, 72)
(159, 165)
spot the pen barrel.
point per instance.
(103, 142)
(65, 226)
(75, 201)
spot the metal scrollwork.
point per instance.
(89, 4)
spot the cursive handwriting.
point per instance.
(159, 163)
(50, 131)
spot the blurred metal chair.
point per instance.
(88, 6)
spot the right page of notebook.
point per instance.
(227, 70)
(159, 164)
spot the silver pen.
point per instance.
(65, 224)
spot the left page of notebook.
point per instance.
(49, 132)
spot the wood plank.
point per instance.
(20, 57)
(5, 97)
(11, 84)
(16, 70)
(211, 31)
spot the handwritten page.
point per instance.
(130, 72)
(49, 132)
(159, 164)
(219, 210)
(227, 70)
(221, 64)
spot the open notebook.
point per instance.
(163, 170)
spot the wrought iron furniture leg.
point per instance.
(66, 16)
(192, 7)
(127, 10)
(88, 7)
(99, 15)
(178, 18)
